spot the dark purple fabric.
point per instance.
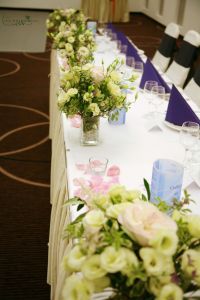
(178, 110)
(131, 51)
(150, 73)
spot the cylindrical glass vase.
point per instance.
(90, 131)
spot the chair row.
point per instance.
(180, 66)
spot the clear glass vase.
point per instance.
(90, 131)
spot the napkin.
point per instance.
(179, 111)
(150, 73)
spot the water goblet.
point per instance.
(189, 136)
(149, 84)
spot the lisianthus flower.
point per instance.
(170, 291)
(190, 264)
(154, 262)
(97, 73)
(144, 220)
(94, 220)
(94, 108)
(74, 259)
(113, 260)
(92, 269)
(165, 241)
(77, 288)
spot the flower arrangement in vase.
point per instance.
(68, 32)
(91, 92)
(132, 249)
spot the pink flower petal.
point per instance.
(113, 171)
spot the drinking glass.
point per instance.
(189, 136)
(158, 98)
(123, 48)
(138, 68)
(130, 61)
(149, 84)
(98, 165)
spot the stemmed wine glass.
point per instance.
(189, 136)
(158, 97)
(149, 84)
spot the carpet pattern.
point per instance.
(25, 163)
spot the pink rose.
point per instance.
(143, 220)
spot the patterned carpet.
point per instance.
(25, 164)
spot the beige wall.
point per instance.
(191, 14)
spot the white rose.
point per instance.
(94, 220)
(74, 259)
(61, 45)
(77, 288)
(94, 108)
(113, 260)
(92, 269)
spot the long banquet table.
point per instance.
(133, 147)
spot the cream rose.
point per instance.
(143, 221)
(113, 260)
(71, 39)
(62, 98)
(83, 51)
(92, 269)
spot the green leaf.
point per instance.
(74, 201)
(146, 184)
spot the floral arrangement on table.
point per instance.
(134, 247)
(91, 91)
(67, 29)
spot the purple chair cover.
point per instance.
(178, 110)
(150, 73)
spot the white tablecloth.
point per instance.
(133, 147)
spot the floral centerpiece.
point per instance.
(132, 246)
(67, 29)
(91, 91)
